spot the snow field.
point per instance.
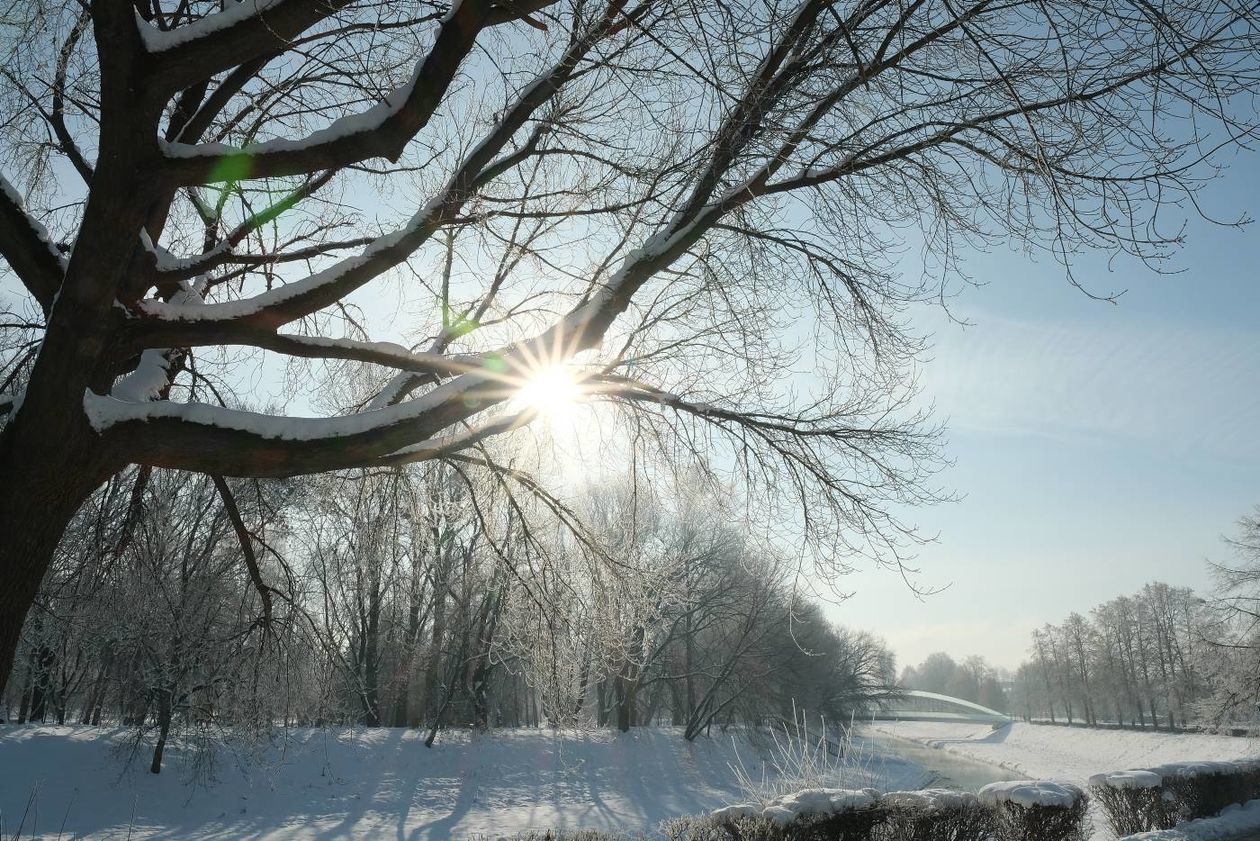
(344, 783)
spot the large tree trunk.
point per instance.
(44, 484)
(50, 457)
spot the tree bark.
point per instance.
(165, 709)
(41, 491)
(50, 457)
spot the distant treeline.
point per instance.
(971, 680)
(1159, 658)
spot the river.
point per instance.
(950, 770)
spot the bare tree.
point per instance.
(663, 191)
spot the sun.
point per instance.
(551, 392)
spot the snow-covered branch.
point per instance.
(382, 131)
(233, 442)
(308, 295)
(28, 249)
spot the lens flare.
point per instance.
(551, 391)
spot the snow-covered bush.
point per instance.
(818, 814)
(1133, 801)
(1166, 795)
(1202, 789)
(1036, 811)
(1236, 822)
(562, 835)
(1014, 811)
(934, 815)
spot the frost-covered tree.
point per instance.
(683, 198)
(1137, 660)
(1232, 653)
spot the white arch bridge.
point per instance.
(917, 705)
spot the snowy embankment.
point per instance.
(342, 783)
(1075, 754)
(1068, 753)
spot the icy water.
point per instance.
(951, 770)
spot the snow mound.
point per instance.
(787, 808)
(1194, 769)
(1127, 779)
(1030, 793)
(930, 799)
(1236, 823)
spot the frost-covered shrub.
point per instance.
(560, 835)
(695, 828)
(1036, 811)
(1202, 789)
(854, 825)
(1166, 795)
(818, 814)
(1133, 801)
(1250, 771)
(934, 815)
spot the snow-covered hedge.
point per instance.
(818, 814)
(1133, 801)
(935, 815)
(1148, 799)
(561, 835)
(1031, 810)
(1025, 811)
(1233, 824)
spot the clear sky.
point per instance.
(1097, 446)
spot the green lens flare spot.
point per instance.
(232, 168)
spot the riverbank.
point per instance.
(1071, 754)
(947, 769)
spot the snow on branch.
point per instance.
(383, 248)
(147, 381)
(28, 248)
(197, 51)
(157, 40)
(253, 158)
(308, 295)
(105, 412)
(381, 131)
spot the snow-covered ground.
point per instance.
(1073, 754)
(342, 783)
(315, 784)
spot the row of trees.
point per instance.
(1161, 657)
(1138, 660)
(419, 597)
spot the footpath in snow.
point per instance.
(326, 784)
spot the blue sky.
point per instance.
(1096, 446)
